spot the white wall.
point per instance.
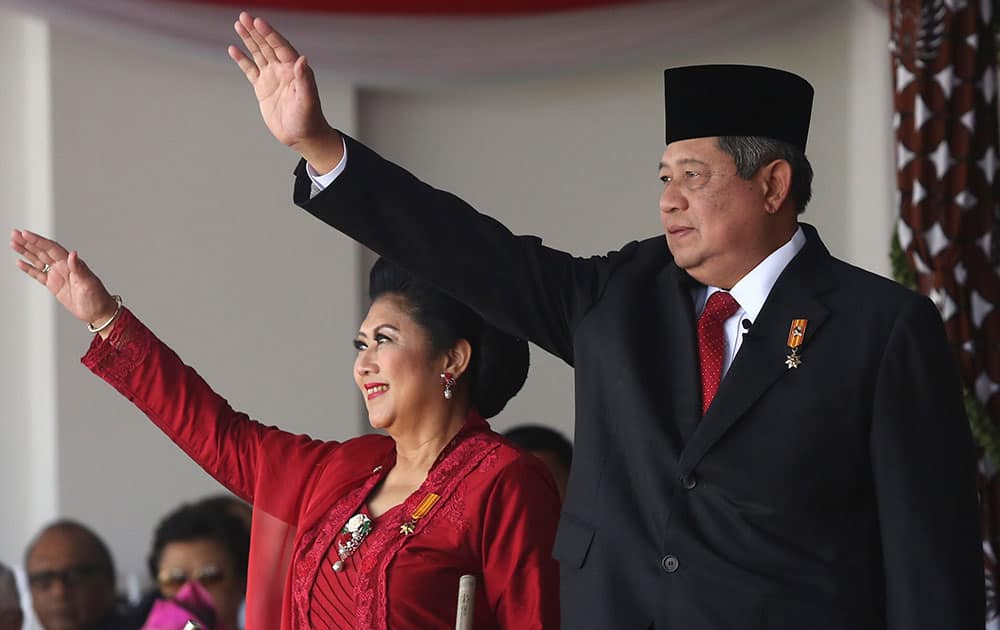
(574, 159)
(164, 178)
(168, 183)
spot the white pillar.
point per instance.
(870, 175)
(28, 443)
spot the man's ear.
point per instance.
(776, 181)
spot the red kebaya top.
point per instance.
(495, 519)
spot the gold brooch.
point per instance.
(796, 333)
(425, 506)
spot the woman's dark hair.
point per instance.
(499, 363)
(201, 521)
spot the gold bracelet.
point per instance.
(118, 311)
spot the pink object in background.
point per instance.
(192, 603)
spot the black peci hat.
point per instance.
(734, 100)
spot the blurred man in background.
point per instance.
(548, 445)
(72, 579)
(11, 615)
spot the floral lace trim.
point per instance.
(315, 543)
(453, 512)
(473, 444)
(462, 456)
(115, 358)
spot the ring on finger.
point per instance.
(46, 268)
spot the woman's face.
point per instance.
(396, 369)
(209, 562)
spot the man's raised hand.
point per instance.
(286, 92)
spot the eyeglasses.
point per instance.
(173, 579)
(70, 576)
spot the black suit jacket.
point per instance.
(837, 495)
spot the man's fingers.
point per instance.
(250, 43)
(283, 50)
(248, 67)
(258, 38)
(301, 68)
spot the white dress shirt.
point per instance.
(750, 293)
(320, 182)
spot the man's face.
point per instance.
(715, 221)
(70, 589)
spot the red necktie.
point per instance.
(712, 343)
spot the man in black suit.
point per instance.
(766, 437)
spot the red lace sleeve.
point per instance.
(237, 451)
(115, 357)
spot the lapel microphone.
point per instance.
(746, 324)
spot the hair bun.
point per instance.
(501, 370)
(499, 364)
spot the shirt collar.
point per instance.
(752, 289)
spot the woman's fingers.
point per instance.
(24, 253)
(31, 249)
(28, 260)
(76, 265)
(17, 242)
(32, 271)
(38, 256)
(42, 258)
(44, 249)
(248, 67)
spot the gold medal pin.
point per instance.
(425, 506)
(796, 333)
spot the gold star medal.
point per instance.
(796, 333)
(425, 506)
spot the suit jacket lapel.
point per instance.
(675, 285)
(761, 359)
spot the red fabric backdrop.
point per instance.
(425, 7)
(409, 43)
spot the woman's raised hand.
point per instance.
(286, 91)
(65, 275)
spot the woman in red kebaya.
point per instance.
(373, 532)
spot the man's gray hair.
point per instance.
(9, 599)
(750, 153)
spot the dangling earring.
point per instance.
(448, 381)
